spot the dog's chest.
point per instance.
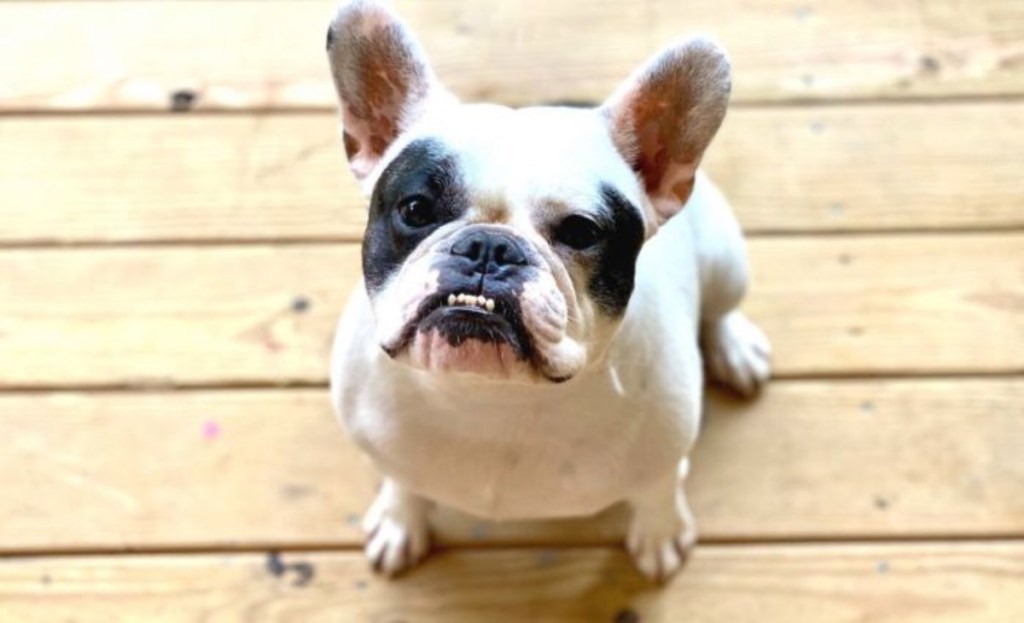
(532, 459)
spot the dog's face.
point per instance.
(503, 242)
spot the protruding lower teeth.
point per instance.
(471, 299)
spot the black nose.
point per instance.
(489, 251)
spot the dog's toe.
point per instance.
(660, 556)
(393, 547)
(738, 353)
(398, 534)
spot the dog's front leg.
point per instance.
(398, 534)
(662, 530)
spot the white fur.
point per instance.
(502, 451)
(470, 426)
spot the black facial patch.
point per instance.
(611, 283)
(330, 37)
(425, 168)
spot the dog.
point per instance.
(538, 287)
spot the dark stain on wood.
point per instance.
(626, 615)
(304, 572)
(183, 100)
(301, 304)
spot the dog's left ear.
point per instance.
(665, 115)
(382, 77)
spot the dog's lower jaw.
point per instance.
(430, 351)
(433, 352)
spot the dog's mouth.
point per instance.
(461, 316)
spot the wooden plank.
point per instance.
(165, 316)
(271, 468)
(942, 304)
(269, 54)
(856, 168)
(284, 177)
(933, 583)
(891, 304)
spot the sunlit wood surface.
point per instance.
(178, 232)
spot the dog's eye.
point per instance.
(578, 232)
(416, 212)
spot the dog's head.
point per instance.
(503, 242)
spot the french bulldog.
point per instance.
(539, 285)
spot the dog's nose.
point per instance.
(489, 251)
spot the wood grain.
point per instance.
(269, 54)
(933, 583)
(272, 468)
(941, 304)
(899, 125)
(170, 316)
(141, 178)
(891, 304)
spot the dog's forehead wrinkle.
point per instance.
(546, 160)
(524, 157)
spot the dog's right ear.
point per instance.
(382, 77)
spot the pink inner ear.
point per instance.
(652, 158)
(366, 139)
(382, 79)
(664, 160)
(665, 115)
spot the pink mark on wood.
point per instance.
(211, 429)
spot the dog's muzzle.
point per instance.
(480, 282)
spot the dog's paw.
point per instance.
(738, 353)
(659, 551)
(398, 535)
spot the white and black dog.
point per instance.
(538, 285)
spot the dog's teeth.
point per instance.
(477, 300)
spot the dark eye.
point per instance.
(578, 232)
(416, 212)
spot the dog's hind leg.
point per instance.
(736, 351)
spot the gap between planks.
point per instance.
(295, 385)
(1009, 538)
(750, 234)
(905, 583)
(796, 103)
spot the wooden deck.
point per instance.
(178, 232)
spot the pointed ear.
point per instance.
(665, 115)
(382, 77)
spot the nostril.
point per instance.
(489, 250)
(509, 253)
(470, 247)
